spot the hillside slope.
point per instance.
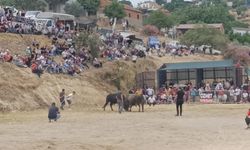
(22, 90)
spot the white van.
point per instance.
(44, 25)
(31, 14)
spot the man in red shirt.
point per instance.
(248, 119)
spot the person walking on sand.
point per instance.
(62, 98)
(54, 113)
(70, 97)
(179, 101)
(120, 101)
(247, 119)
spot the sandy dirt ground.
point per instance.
(202, 127)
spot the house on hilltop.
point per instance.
(149, 5)
(183, 28)
(241, 31)
(134, 16)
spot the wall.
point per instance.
(134, 18)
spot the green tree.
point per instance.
(160, 2)
(89, 40)
(91, 6)
(126, 2)
(238, 3)
(25, 4)
(54, 3)
(205, 36)
(159, 19)
(207, 14)
(7, 2)
(115, 10)
(241, 10)
(176, 4)
(74, 8)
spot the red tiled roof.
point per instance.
(129, 8)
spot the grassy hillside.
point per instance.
(22, 90)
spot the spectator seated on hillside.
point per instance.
(18, 61)
(134, 58)
(97, 63)
(36, 68)
(7, 56)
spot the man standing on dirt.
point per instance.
(120, 101)
(179, 101)
(70, 97)
(62, 98)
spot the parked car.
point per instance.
(209, 50)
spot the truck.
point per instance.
(45, 21)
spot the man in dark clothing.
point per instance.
(62, 98)
(179, 101)
(54, 113)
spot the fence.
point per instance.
(144, 79)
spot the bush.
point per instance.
(150, 30)
(238, 53)
(92, 41)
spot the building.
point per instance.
(182, 28)
(241, 31)
(149, 5)
(134, 16)
(103, 4)
(198, 72)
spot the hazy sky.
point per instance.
(135, 2)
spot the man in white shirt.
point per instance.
(237, 94)
(151, 100)
(150, 92)
(70, 97)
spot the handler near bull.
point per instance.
(118, 98)
(120, 102)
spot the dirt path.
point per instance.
(203, 127)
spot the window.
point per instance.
(129, 15)
(138, 16)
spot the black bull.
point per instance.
(131, 100)
(112, 99)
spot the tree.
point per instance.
(205, 36)
(7, 2)
(126, 2)
(176, 4)
(238, 3)
(160, 2)
(115, 11)
(25, 4)
(241, 10)
(74, 8)
(160, 20)
(89, 40)
(91, 6)
(150, 30)
(54, 3)
(238, 53)
(207, 14)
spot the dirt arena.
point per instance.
(202, 127)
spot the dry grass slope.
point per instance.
(22, 90)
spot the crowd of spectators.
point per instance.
(118, 47)
(42, 58)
